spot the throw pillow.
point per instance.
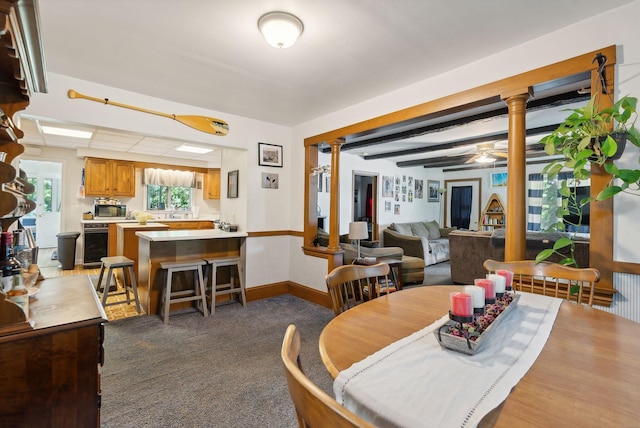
(433, 228)
(444, 232)
(403, 228)
(419, 229)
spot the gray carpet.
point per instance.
(438, 274)
(221, 371)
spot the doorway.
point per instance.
(461, 198)
(462, 203)
(44, 221)
(365, 201)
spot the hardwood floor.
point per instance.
(50, 269)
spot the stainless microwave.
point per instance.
(100, 210)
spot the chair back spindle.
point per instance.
(350, 285)
(573, 284)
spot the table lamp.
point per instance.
(358, 230)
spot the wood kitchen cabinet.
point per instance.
(212, 184)
(109, 177)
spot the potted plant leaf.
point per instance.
(591, 135)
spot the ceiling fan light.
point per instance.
(280, 29)
(485, 159)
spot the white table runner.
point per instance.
(416, 383)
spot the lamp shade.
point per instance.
(358, 230)
(280, 29)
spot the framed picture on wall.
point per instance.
(419, 188)
(498, 179)
(269, 155)
(433, 187)
(232, 184)
(269, 180)
(387, 186)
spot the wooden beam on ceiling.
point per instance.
(534, 105)
(459, 143)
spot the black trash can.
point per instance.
(67, 249)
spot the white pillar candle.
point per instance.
(499, 282)
(477, 295)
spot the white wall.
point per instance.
(417, 210)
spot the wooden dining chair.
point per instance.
(570, 283)
(350, 285)
(314, 407)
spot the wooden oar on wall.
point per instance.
(210, 125)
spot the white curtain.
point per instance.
(542, 194)
(169, 177)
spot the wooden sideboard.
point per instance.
(50, 374)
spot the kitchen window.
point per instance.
(168, 189)
(168, 197)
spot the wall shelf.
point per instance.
(494, 214)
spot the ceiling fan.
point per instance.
(486, 153)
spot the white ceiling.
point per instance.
(209, 53)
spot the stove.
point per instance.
(96, 243)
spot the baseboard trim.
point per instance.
(288, 287)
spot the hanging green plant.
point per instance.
(591, 135)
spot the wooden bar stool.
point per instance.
(197, 294)
(230, 288)
(110, 264)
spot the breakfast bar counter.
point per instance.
(155, 247)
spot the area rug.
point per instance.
(438, 274)
(220, 371)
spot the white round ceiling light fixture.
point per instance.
(280, 29)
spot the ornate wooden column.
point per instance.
(516, 227)
(334, 204)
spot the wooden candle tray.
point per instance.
(462, 344)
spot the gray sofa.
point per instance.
(422, 239)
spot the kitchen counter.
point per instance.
(188, 235)
(157, 220)
(204, 223)
(138, 226)
(127, 241)
(155, 247)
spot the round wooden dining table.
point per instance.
(588, 373)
